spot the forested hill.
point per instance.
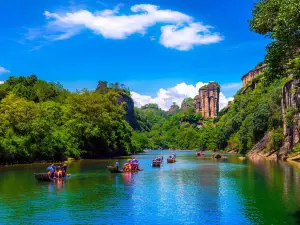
(43, 121)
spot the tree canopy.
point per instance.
(280, 21)
(43, 121)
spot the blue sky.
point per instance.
(150, 46)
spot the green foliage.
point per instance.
(105, 87)
(140, 141)
(277, 139)
(294, 67)
(247, 120)
(150, 114)
(33, 89)
(239, 127)
(187, 103)
(42, 121)
(215, 83)
(179, 131)
(279, 20)
(174, 108)
(296, 148)
(189, 116)
(289, 117)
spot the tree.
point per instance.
(278, 20)
(187, 103)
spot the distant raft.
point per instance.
(157, 162)
(171, 160)
(199, 154)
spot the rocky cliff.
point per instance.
(261, 148)
(290, 105)
(102, 87)
(248, 77)
(207, 102)
(129, 108)
(291, 117)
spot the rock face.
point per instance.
(186, 104)
(218, 156)
(124, 97)
(174, 109)
(207, 102)
(260, 149)
(129, 108)
(252, 74)
(290, 101)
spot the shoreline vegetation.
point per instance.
(42, 121)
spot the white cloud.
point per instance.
(179, 30)
(1, 82)
(165, 97)
(184, 38)
(223, 100)
(3, 70)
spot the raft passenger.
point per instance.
(64, 170)
(117, 165)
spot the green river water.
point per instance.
(192, 191)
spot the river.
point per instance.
(192, 191)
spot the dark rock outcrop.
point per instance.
(174, 108)
(102, 87)
(218, 156)
(129, 109)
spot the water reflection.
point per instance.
(56, 186)
(192, 191)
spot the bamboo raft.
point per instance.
(114, 169)
(42, 177)
(127, 168)
(157, 163)
(171, 160)
(131, 167)
(45, 177)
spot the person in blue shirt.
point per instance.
(64, 170)
(117, 165)
(134, 160)
(52, 171)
